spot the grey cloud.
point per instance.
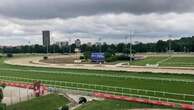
(111, 27)
(44, 9)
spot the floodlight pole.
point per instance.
(169, 45)
(69, 45)
(47, 49)
(53, 49)
(30, 47)
(131, 35)
(126, 40)
(99, 40)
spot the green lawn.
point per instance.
(173, 61)
(2, 107)
(179, 61)
(106, 78)
(114, 105)
(149, 60)
(48, 102)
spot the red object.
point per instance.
(37, 87)
(187, 106)
(142, 100)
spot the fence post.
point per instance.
(95, 87)
(122, 91)
(184, 96)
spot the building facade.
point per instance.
(46, 38)
(78, 42)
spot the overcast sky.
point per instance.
(21, 21)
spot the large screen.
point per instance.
(97, 57)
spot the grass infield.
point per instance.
(173, 61)
(48, 102)
(97, 77)
(115, 105)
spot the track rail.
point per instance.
(150, 94)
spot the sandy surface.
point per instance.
(35, 61)
(13, 95)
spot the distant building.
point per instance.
(78, 42)
(89, 44)
(46, 38)
(62, 44)
(98, 44)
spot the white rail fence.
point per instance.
(141, 93)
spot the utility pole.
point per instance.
(99, 40)
(30, 50)
(47, 49)
(169, 45)
(53, 50)
(131, 35)
(126, 40)
(69, 45)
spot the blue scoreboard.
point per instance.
(97, 57)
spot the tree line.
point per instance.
(185, 44)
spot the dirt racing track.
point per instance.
(35, 61)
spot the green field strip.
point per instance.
(116, 105)
(149, 60)
(167, 61)
(164, 60)
(126, 94)
(100, 75)
(47, 102)
(109, 89)
(120, 82)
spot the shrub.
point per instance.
(65, 107)
(87, 55)
(9, 55)
(82, 57)
(112, 59)
(2, 106)
(45, 57)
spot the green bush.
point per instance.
(116, 58)
(112, 59)
(9, 55)
(45, 57)
(65, 107)
(87, 55)
(2, 106)
(81, 57)
(1, 95)
(123, 57)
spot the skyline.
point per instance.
(22, 21)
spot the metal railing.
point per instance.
(150, 94)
